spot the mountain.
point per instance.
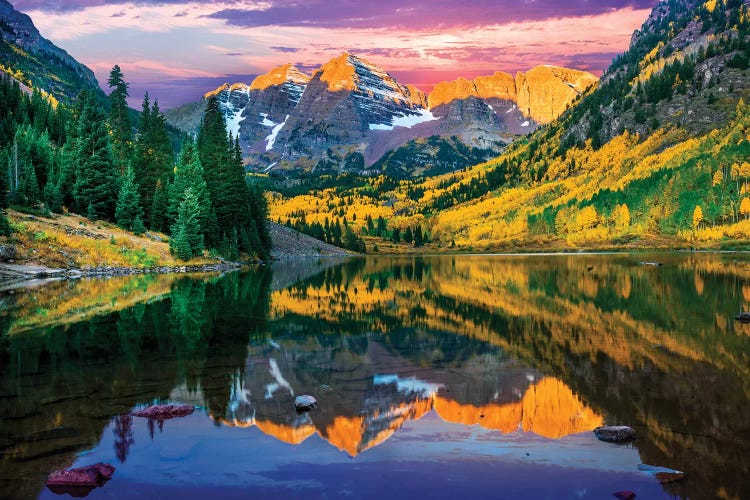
(351, 115)
(657, 155)
(36, 62)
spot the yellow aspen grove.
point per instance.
(697, 216)
(587, 218)
(718, 177)
(621, 217)
(745, 207)
(744, 170)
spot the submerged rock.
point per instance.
(80, 481)
(305, 403)
(743, 317)
(164, 412)
(615, 433)
(662, 474)
(625, 495)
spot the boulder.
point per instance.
(305, 403)
(164, 412)
(615, 434)
(662, 474)
(7, 253)
(80, 481)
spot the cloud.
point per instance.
(286, 50)
(416, 15)
(424, 41)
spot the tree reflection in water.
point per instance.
(553, 345)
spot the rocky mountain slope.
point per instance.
(350, 113)
(36, 62)
(657, 155)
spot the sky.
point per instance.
(179, 49)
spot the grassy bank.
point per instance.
(71, 241)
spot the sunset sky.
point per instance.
(179, 49)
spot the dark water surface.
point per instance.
(442, 377)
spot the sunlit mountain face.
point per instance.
(457, 364)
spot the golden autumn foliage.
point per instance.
(508, 217)
(72, 241)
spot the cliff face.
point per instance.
(43, 64)
(541, 95)
(546, 91)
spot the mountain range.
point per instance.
(350, 115)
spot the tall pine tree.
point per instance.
(121, 129)
(187, 239)
(129, 213)
(95, 187)
(153, 156)
(237, 216)
(189, 174)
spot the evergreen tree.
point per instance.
(237, 219)
(159, 217)
(187, 239)
(94, 189)
(408, 235)
(28, 192)
(128, 202)
(5, 229)
(119, 122)
(212, 146)
(418, 237)
(153, 157)
(52, 195)
(259, 217)
(4, 180)
(189, 174)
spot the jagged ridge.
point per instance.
(287, 119)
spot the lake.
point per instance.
(441, 377)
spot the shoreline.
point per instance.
(16, 275)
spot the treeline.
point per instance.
(332, 232)
(89, 159)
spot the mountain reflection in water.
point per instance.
(530, 351)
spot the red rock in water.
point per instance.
(164, 412)
(625, 495)
(80, 481)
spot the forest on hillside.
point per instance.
(91, 159)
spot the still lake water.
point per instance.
(442, 377)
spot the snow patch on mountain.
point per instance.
(266, 122)
(407, 121)
(234, 118)
(271, 139)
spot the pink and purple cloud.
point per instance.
(178, 49)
